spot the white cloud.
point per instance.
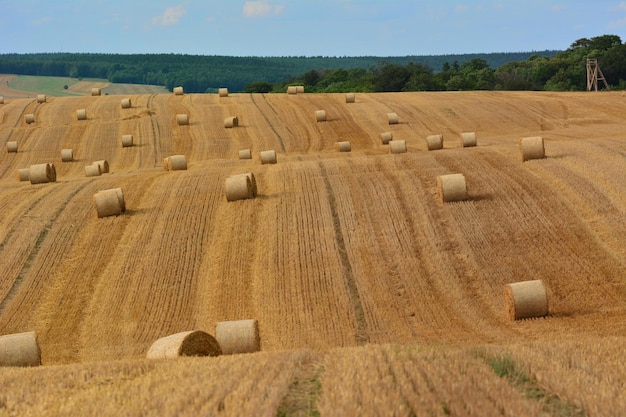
(460, 8)
(260, 9)
(615, 24)
(558, 8)
(170, 16)
(41, 21)
(621, 6)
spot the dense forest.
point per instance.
(544, 70)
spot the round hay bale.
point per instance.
(20, 349)
(320, 115)
(252, 178)
(245, 154)
(468, 139)
(1, 100)
(240, 336)
(299, 89)
(41, 173)
(127, 141)
(222, 92)
(292, 89)
(434, 142)
(392, 118)
(350, 97)
(182, 119)
(397, 146)
(29, 118)
(239, 187)
(126, 103)
(67, 155)
(108, 203)
(93, 170)
(104, 165)
(343, 146)
(191, 343)
(526, 299)
(177, 163)
(386, 137)
(268, 157)
(95, 91)
(452, 187)
(231, 121)
(12, 147)
(23, 174)
(532, 148)
(81, 114)
(178, 91)
(41, 98)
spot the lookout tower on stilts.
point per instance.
(594, 74)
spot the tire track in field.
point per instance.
(362, 336)
(278, 136)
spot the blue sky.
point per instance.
(304, 27)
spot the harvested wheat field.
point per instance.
(372, 296)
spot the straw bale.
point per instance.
(12, 147)
(320, 115)
(177, 163)
(182, 119)
(245, 154)
(67, 155)
(190, 343)
(240, 336)
(268, 157)
(468, 139)
(299, 89)
(29, 118)
(252, 178)
(81, 114)
(231, 121)
(20, 349)
(92, 170)
(350, 97)
(41, 98)
(452, 187)
(1, 100)
(120, 195)
(386, 137)
(392, 118)
(108, 203)
(239, 187)
(23, 174)
(42, 173)
(126, 103)
(434, 142)
(222, 92)
(397, 146)
(292, 89)
(526, 299)
(127, 141)
(532, 148)
(95, 91)
(178, 91)
(343, 146)
(104, 165)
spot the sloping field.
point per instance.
(372, 296)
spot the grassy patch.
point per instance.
(52, 86)
(304, 391)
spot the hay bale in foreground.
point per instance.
(343, 146)
(104, 165)
(268, 157)
(12, 147)
(392, 118)
(29, 118)
(23, 174)
(245, 154)
(41, 98)
(240, 187)
(127, 141)
(178, 91)
(177, 163)
(1, 99)
(452, 187)
(126, 103)
(182, 119)
(42, 173)
(109, 202)
(95, 91)
(320, 115)
(386, 137)
(526, 299)
(191, 343)
(532, 147)
(20, 349)
(67, 155)
(93, 170)
(240, 336)
(81, 114)
(397, 146)
(231, 121)
(350, 98)
(434, 142)
(468, 139)
(222, 92)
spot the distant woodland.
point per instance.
(543, 70)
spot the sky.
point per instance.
(304, 27)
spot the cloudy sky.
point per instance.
(304, 27)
